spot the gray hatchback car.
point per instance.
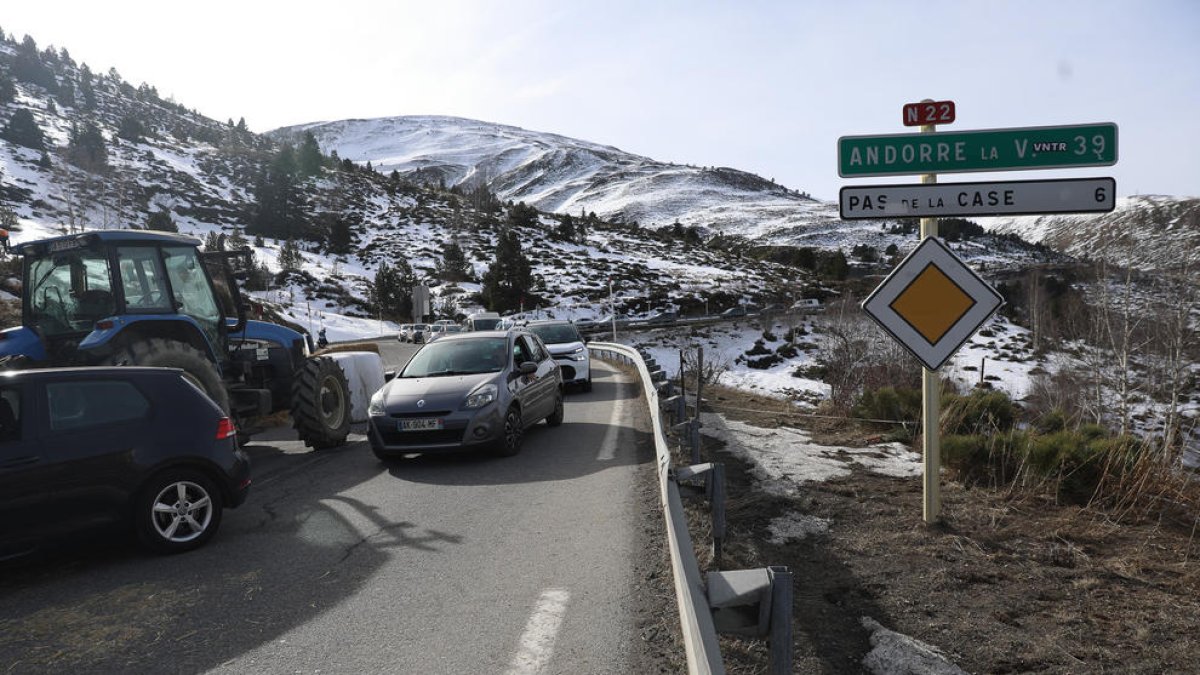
(467, 391)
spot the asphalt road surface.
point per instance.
(339, 563)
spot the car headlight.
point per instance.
(375, 408)
(480, 397)
(579, 354)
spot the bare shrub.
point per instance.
(713, 367)
(857, 355)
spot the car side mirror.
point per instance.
(527, 368)
(389, 375)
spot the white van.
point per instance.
(481, 321)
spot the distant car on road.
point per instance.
(482, 321)
(588, 325)
(402, 330)
(466, 391)
(807, 305)
(567, 347)
(663, 318)
(443, 331)
(734, 312)
(417, 333)
(82, 448)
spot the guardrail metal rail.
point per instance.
(745, 602)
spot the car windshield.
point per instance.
(556, 334)
(420, 326)
(459, 357)
(485, 324)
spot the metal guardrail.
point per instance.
(699, 633)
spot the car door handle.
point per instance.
(20, 461)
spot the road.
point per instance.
(341, 563)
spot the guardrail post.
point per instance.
(713, 474)
(780, 639)
(716, 497)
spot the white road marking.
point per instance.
(608, 447)
(537, 642)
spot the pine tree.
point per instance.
(161, 221)
(341, 237)
(453, 266)
(87, 149)
(510, 277)
(27, 66)
(23, 130)
(8, 90)
(522, 215)
(581, 229)
(8, 219)
(278, 209)
(309, 159)
(237, 241)
(393, 290)
(131, 128)
(566, 228)
(289, 256)
(212, 242)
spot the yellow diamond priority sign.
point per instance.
(932, 303)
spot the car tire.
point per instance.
(513, 434)
(178, 510)
(321, 403)
(556, 418)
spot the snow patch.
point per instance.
(783, 458)
(796, 526)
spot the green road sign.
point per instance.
(983, 150)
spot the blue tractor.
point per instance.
(131, 297)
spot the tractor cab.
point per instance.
(133, 297)
(79, 287)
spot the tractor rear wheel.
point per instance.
(161, 353)
(321, 403)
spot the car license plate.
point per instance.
(423, 424)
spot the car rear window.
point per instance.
(81, 405)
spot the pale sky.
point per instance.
(765, 87)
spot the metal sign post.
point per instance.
(931, 393)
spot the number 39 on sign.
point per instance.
(928, 112)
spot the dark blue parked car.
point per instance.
(130, 446)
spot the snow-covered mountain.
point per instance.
(565, 175)
(1149, 232)
(82, 151)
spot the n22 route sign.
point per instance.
(985, 150)
(948, 200)
(929, 112)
